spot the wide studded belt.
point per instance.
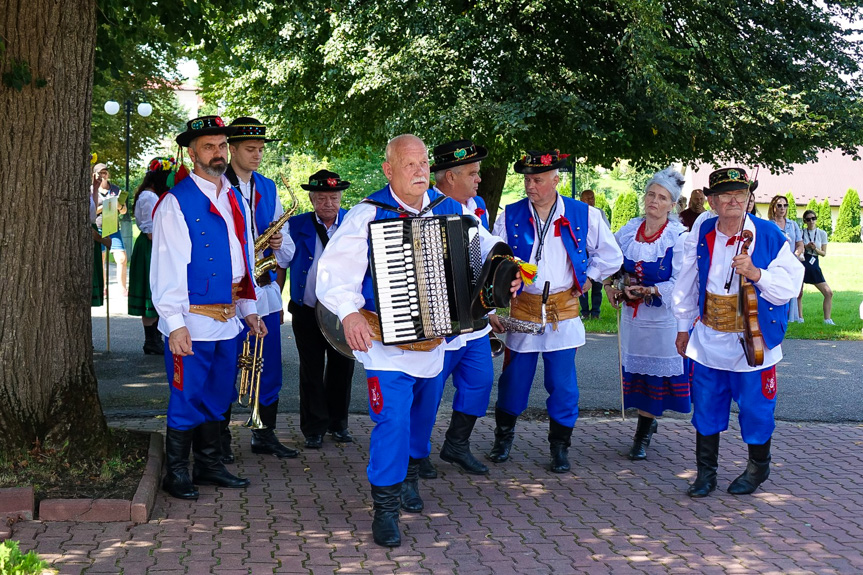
(219, 311)
(721, 313)
(560, 306)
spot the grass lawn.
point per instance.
(843, 270)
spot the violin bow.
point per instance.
(737, 243)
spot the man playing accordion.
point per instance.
(404, 383)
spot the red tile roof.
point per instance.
(828, 177)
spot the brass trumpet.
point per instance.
(263, 264)
(251, 363)
(497, 345)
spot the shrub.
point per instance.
(848, 222)
(13, 562)
(602, 204)
(792, 208)
(825, 217)
(625, 208)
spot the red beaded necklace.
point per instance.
(640, 236)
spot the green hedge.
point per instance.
(848, 222)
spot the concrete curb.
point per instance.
(17, 503)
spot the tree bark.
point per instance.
(491, 189)
(48, 388)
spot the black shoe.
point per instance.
(264, 441)
(644, 430)
(427, 469)
(225, 438)
(456, 447)
(504, 433)
(207, 449)
(343, 436)
(177, 481)
(410, 496)
(559, 439)
(757, 471)
(314, 441)
(153, 344)
(385, 526)
(707, 462)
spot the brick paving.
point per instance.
(313, 514)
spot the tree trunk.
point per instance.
(491, 189)
(48, 389)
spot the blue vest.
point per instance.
(209, 272)
(304, 236)
(265, 199)
(480, 203)
(769, 239)
(447, 207)
(573, 233)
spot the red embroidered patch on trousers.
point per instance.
(768, 383)
(376, 398)
(178, 372)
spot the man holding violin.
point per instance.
(735, 341)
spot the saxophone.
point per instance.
(264, 265)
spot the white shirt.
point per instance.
(603, 259)
(779, 283)
(341, 269)
(172, 253)
(269, 296)
(144, 210)
(310, 298)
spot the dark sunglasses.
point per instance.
(781, 205)
(809, 219)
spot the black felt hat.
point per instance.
(495, 281)
(728, 179)
(325, 181)
(249, 129)
(203, 126)
(534, 162)
(456, 153)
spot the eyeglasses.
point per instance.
(809, 219)
(781, 205)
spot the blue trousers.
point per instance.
(754, 392)
(561, 383)
(202, 385)
(403, 409)
(271, 377)
(472, 376)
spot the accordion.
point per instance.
(424, 271)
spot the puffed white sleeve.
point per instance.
(285, 254)
(684, 296)
(343, 264)
(172, 252)
(666, 288)
(605, 257)
(783, 278)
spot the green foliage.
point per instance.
(602, 204)
(625, 208)
(13, 562)
(848, 222)
(825, 217)
(792, 207)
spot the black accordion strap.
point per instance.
(400, 210)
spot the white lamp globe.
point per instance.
(144, 109)
(112, 107)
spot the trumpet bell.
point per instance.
(497, 345)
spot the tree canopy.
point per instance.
(767, 83)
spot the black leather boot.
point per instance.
(153, 344)
(504, 433)
(385, 526)
(410, 494)
(177, 481)
(225, 438)
(757, 471)
(559, 438)
(644, 430)
(707, 462)
(456, 447)
(207, 449)
(265, 440)
(427, 469)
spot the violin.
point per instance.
(752, 340)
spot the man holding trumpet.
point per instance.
(200, 276)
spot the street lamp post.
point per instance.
(112, 107)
